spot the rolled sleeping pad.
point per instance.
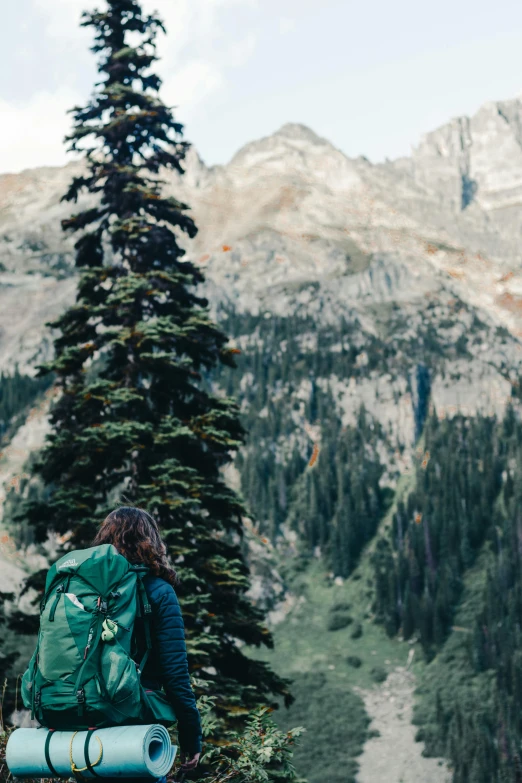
(118, 751)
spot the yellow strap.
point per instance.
(74, 769)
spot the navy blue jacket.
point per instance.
(167, 665)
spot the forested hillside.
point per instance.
(449, 572)
(333, 488)
(17, 392)
(328, 482)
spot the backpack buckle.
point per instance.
(102, 605)
(80, 696)
(147, 609)
(37, 698)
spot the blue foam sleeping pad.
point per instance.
(126, 752)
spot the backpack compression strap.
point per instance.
(89, 763)
(146, 612)
(77, 771)
(88, 666)
(48, 761)
(35, 693)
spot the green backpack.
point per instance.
(82, 674)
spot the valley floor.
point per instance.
(354, 689)
(394, 756)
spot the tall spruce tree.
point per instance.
(135, 417)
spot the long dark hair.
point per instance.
(136, 536)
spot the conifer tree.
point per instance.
(6, 658)
(135, 416)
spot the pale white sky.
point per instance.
(369, 75)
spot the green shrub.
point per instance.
(357, 631)
(354, 660)
(327, 753)
(264, 752)
(339, 620)
(340, 606)
(379, 674)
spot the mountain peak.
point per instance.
(300, 132)
(290, 136)
(475, 159)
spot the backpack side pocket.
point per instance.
(120, 678)
(157, 708)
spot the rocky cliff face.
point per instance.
(475, 160)
(466, 178)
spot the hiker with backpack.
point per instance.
(112, 637)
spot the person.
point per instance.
(135, 535)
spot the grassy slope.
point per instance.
(317, 661)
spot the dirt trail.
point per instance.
(394, 756)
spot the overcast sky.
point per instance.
(371, 76)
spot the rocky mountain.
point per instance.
(393, 288)
(293, 226)
(418, 252)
